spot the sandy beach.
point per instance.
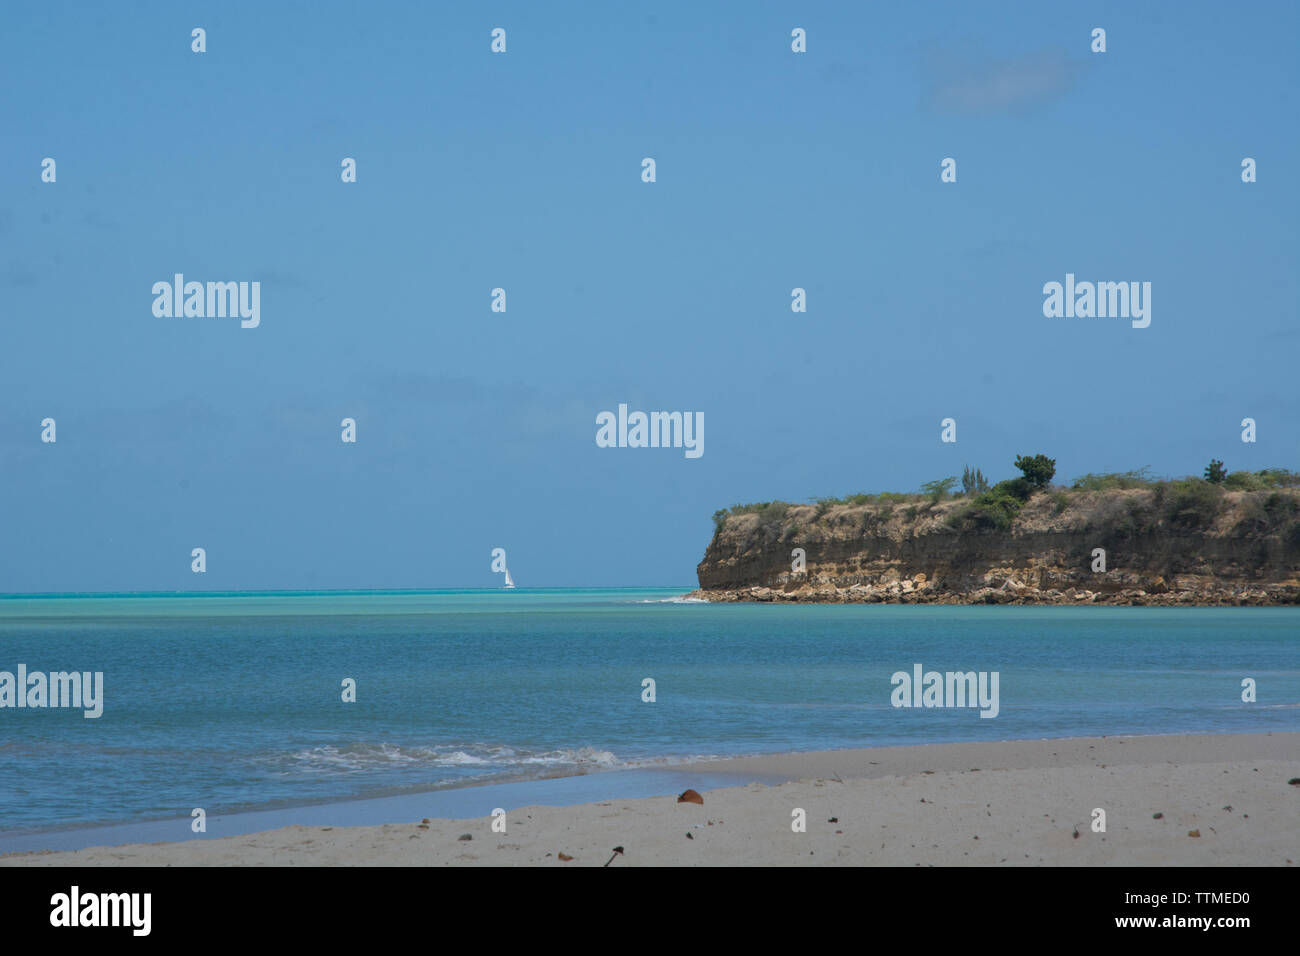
(1173, 800)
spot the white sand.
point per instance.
(1012, 803)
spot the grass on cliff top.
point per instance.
(772, 512)
(1188, 504)
(1262, 480)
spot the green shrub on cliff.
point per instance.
(863, 498)
(1278, 513)
(722, 514)
(1261, 480)
(997, 508)
(1281, 508)
(774, 519)
(1188, 505)
(774, 514)
(1018, 488)
(1122, 516)
(1279, 478)
(938, 489)
(994, 510)
(1108, 481)
(1243, 481)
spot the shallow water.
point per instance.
(233, 701)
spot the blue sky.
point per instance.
(523, 171)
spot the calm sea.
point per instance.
(233, 701)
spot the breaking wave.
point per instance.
(361, 758)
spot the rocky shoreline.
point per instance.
(920, 590)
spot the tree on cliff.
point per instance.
(973, 482)
(1038, 471)
(1214, 472)
(939, 489)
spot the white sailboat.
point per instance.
(510, 582)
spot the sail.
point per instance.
(510, 582)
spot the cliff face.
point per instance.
(1220, 548)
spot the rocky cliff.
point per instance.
(1179, 543)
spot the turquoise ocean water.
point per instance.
(233, 701)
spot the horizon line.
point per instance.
(359, 590)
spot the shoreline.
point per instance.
(1010, 592)
(1029, 782)
(460, 800)
(369, 808)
